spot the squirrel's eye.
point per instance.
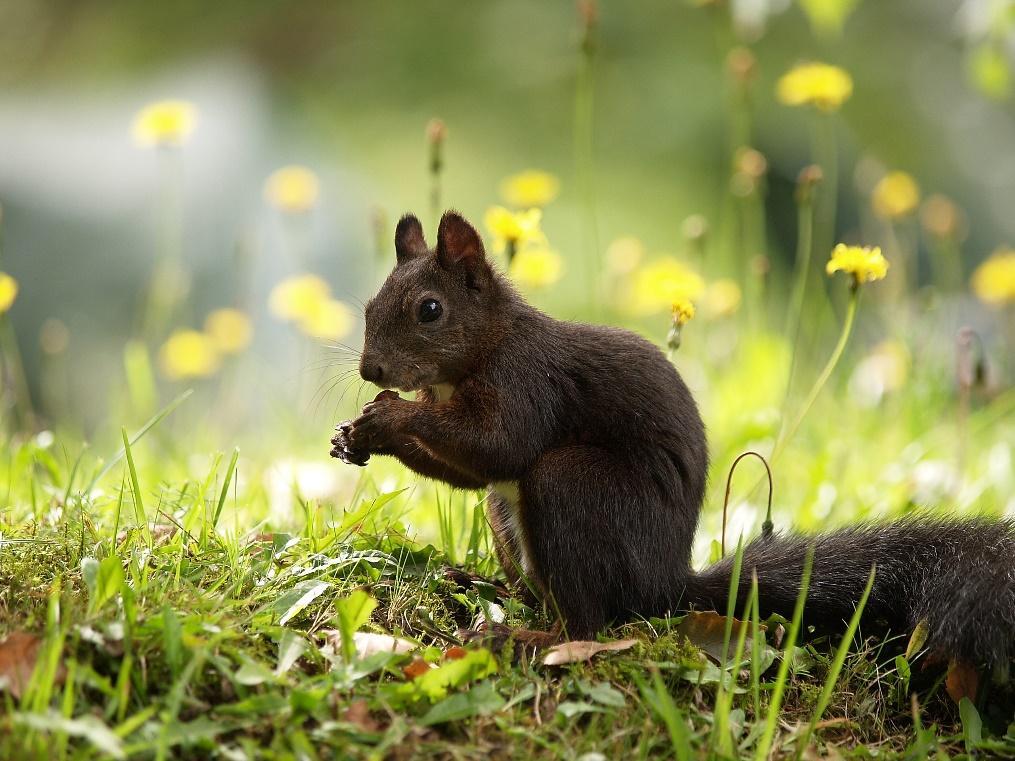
(430, 310)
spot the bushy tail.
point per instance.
(957, 575)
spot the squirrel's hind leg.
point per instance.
(601, 540)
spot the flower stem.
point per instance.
(826, 155)
(847, 328)
(584, 144)
(805, 241)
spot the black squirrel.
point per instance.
(595, 456)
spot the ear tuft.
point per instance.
(409, 240)
(458, 243)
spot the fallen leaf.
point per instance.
(18, 654)
(454, 653)
(963, 680)
(578, 651)
(368, 643)
(416, 669)
(917, 639)
(706, 630)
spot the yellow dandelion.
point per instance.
(229, 329)
(514, 229)
(293, 189)
(682, 311)
(864, 263)
(329, 319)
(660, 283)
(895, 196)
(188, 354)
(815, 84)
(722, 298)
(531, 188)
(624, 254)
(994, 280)
(8, 291)
(298, 297)
(165, 122)
(537, 267)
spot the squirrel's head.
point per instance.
(428, 323)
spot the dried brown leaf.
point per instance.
(963, 680)
(706, 630)
(19, 653)
(578, 651)
(416, 669)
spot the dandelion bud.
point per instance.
(54, 336)
(807, 181)
(761, 265)
(436, 132)
(742, 66)
(970, 364)
(749, 168)
(751, 162)
(942, 219)
(588, 14)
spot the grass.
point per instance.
(172, 638)
(212, 586)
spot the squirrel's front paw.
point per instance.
(343, 447)
(380, 423)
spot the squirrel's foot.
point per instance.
(342, 448)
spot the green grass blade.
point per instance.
(836, 669)
(775, 704)
(135, 485)
(225, 487)
(154, 421)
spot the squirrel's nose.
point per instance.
(371, 371)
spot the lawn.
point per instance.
(186, 573)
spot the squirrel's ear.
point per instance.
(409, 240)
(459, 246)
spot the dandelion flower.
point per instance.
(660, 283)
(165, 122)
(329, 319)
(8, 291)
(537, 267)
(531, 188)
(815, 84)
(683, 311)
(188, 354)
(298, 297)
(994, 280)
(293, 189)
(722, 298)
(864, 263)
(624, 254)
(895, 196)
(514, 229)
(229, 329)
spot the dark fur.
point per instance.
(607, 447)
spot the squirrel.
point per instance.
(595, 457)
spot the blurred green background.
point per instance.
(347, 89)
